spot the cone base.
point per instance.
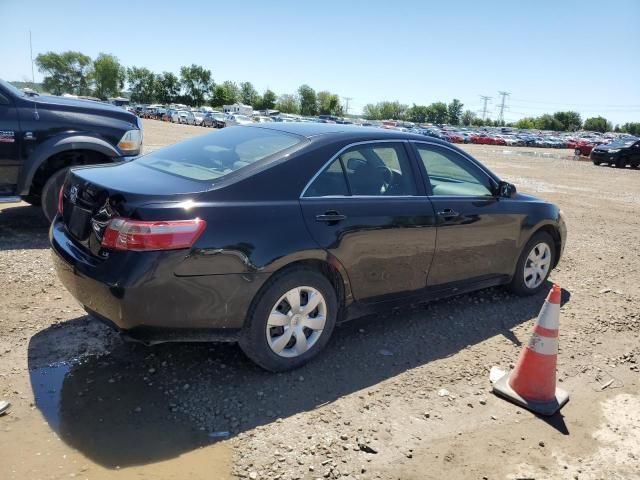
(502, 388)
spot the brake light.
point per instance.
(61, 200)
(136, 235)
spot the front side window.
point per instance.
(450, 174)
(372, 169)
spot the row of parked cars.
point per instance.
(582, 143)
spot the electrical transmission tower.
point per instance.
(485, 99)
(502, 105)
(346, 101)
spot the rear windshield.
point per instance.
(210, 157)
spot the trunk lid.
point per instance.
(92, 196)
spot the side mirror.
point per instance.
(506, 189)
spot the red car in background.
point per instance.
(584, 147)
(455, 138)
(482, 139)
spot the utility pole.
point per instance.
(504, 98)
(33, 77)
(485, 99)
(346, 101)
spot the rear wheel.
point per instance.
(50, 193)
(534, 265)
(291, 320)
(578, 152)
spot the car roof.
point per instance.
(346, 131)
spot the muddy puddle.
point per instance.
(90, 419)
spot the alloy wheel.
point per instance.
(296, 321)
(537, 265)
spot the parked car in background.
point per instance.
(236, 119)
(214, 120)
(166, 247)
(619, 153)
(195, 118)
(179, 116)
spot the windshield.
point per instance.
(213, 156)
(12, 89)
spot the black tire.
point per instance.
(578, 152)
(635, 165)
(518, 285)
(595, 162)
(621, 162)
(50, 193)
(34, 200)
(253, 339)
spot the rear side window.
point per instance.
(213, 156)
(376, 169)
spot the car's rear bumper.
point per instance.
(139, 291)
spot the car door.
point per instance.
(9, 145)
(367, 210)
(478, 232)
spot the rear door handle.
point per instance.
(448, 213)
(331, 216)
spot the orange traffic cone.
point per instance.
(532, 384)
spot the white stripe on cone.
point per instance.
(549, 316)
(543, 345)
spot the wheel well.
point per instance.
(68, 158)
(557, 241)
(326, 269)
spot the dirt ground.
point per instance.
(402, 395)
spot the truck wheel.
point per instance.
(50, 193)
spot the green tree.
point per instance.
(308, 100)
(66, 72)
(329, 104)
(167, 87)
(467, 118)
(437, 113)
(631, 128)
(288, 104)
(597, 124)
(526, 123)
(248, 94)
(417, 113)
(227, 93)
(570, 121)
(268, 100)
(371, 111)
(548, 122)
(196, 82)
(108, 76)
(454, 111)
(142, 83)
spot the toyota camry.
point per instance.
(270, 234)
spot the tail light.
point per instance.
(136, 235)
(61, 200)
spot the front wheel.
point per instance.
(578, 152)
(50, 192)
(534, 265)
(291, 320)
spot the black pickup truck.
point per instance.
(42, 136)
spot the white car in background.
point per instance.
(237, 119)
(195, 118)
(179, 116)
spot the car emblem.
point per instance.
(73, 194)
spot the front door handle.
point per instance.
(331, 216)
(448, 213)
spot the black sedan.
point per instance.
(619, 153)
(270, 234)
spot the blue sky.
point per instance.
(551, 55)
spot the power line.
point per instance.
(504, 98)
(578, 104)
(347, 100)
(485, 99)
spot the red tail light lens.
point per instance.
(61, 200)
(136, 235)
